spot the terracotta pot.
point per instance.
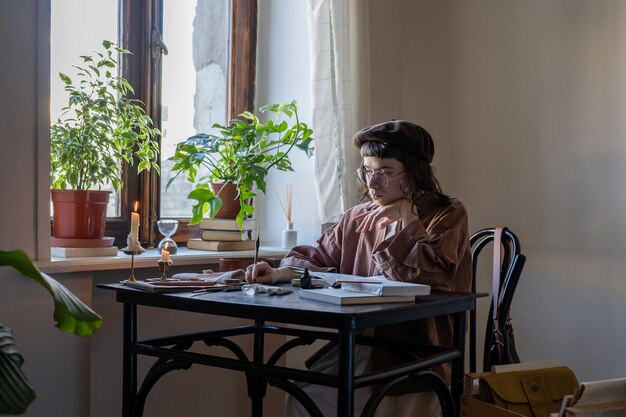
(230, 200)
(79, 214)
(232, 264)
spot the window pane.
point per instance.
(194, 85)
(78, 27)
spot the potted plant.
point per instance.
(70, 314)
(100, 128)
(239, 158)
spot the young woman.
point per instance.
(407, 230)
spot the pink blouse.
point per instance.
(434, 251)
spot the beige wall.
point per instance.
(526, 101)
(18, 113)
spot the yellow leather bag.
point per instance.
(532, 393)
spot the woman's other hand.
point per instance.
(383, 216)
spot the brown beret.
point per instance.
(400, 134)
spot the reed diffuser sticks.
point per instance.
(290, 236)
(285, 202)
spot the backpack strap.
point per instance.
(496, 285)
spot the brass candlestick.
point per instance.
(164, 267)
(132, 254)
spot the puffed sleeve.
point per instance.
(325, 257)
(430, 252)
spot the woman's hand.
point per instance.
(383, 216)
(263, 273)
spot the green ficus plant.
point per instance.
(242, 154)
(100, 127)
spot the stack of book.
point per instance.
(70, 247)
(365, 290)
(224, 234)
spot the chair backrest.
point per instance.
(512, 265)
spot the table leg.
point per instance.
(345, 392)
(258, 383)
(129, 360)
(458, 365)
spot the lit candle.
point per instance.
(132, 241)
(165, 255)
(134, 224)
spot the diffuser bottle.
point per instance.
(290, 237)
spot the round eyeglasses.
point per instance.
(379, 176)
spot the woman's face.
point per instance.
(383, 177)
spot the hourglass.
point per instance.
(167, 228)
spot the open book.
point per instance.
(597, 399)
(376, 285)
(384, 287)
(185, 281)
(363, 290)
(172, 285)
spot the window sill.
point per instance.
(148, 259)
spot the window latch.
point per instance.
(158, 46)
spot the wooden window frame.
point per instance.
(141, 22)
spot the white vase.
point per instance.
(290, 237)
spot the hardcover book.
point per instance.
(227, 235)
(384, 287)
(82, 252)
(345, 297)
(227, 224)
(218, 245)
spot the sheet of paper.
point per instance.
(330, 278)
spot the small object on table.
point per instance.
(305, 280)
(132, 253)
(278, 291)
(315, 282)
(253, 289)
(217, 288)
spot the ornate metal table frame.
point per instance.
(172, 352)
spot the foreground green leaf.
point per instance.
(16, 393)
(71, 315)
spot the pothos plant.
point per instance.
(242, 154)
(100, 127)
(71, 315)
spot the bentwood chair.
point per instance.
(512, 264)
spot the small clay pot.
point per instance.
(232, 264)
(230, 201)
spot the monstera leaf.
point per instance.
(15, 391)
(71, 315)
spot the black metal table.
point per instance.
(343, 322)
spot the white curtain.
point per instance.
(339, 32)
